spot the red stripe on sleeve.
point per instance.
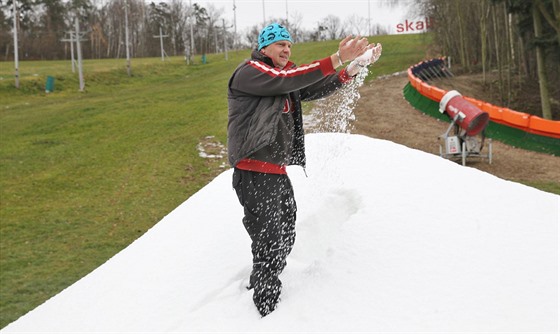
(325, 65)
(344, 77)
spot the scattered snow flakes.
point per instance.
(336, 113)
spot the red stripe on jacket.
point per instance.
(261, 166)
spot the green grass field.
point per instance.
(83, 174)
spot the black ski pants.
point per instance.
(269, 218)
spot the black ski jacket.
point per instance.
(257, 94)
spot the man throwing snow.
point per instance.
(265, 134)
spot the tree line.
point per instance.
(45, 28)
(518, 39)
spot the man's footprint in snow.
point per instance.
(317, 232)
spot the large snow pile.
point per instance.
(388, 239)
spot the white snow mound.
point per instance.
(388, 239)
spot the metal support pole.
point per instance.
(71, 40)
(126, 38)
(287, 19)
(192, 34)
(225, 38)
(264, 16)
(16, 55)
(234, 26)
(369, 18)
(161, 45)
(79, 50)
(72, 51)
(161, 36)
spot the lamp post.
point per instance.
(16, 55)
(79, 51)
(264, 16)
(127, 47)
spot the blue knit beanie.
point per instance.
(273, 33)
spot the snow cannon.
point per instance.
(465, 114)
(468, 123)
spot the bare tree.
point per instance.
(541, 66)
(178, 25)
(214, 24)
(356, 25)
(332, 26)
(295, 27)
(512, 37)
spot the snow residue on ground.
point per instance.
(389, 239)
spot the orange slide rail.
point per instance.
(508, 117)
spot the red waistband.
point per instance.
(261, 166)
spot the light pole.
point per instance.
(161, 36)
(234, 26)
(79, 50)
(71, 40)
(369, 18)
(192, 34)
(264, 16)
(16, 55)
(225, 38)
(287, 20)
(126, 38)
